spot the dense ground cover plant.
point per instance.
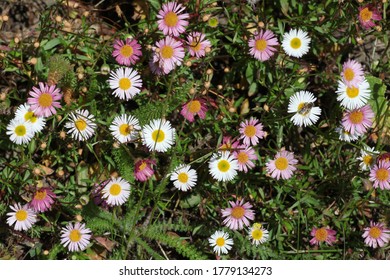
(197, 130)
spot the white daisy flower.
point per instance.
(125, 128)
(223, 166)
(296, 43)
(353, 97)
(220, 242)
(346, 136)
(20, 131)
(76, 237)
(258, 234)
(24, 113)
(22, 216)
(125, 82)
(116, 192)
(81, 125)
(158, 135)
(184, 178)
(302, 104)
(368, 156)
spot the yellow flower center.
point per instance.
(166, 52)
(158, 135)
(75, 235)
(238, 212)
(125, 129)
(124, 83)
(375, 232)
(40, 195)
(29, 116)
(223, 165)
(126, 51)
(365, 14)
(182, 177)
(321, 234)
(261, 45)
(194, 106)
(45, 100)
(368, 160)
(21, 215)
(171, 19)
(220, 241)
(195, 44)
(349, 74)
(257, 234)
(356, 117)
(250, 131)
(242, 157)
(20, 130)
(80, 124)
(142, 166)
(382, 174)
(352, 92)
(295, 43)
(115, 189)
(281, 163)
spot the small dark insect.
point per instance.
(383, 157)
(306, 108)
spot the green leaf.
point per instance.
(51, 44)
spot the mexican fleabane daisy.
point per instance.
(323, 234)
(43, 199)
(126, 83)
(155, 67)
(76, 237)
(25, 113)
(116, 191)
(262, 45)
(228, 144)
(171, 19)
(245, 155)
(143, 169)
(220, 242)
(197, 44)
(223, 166)
(302, 104)
(169, 53)
(22, 216)
(238, 214)
(81, 125)
(125, 128)
(194, 107)
(251, 131)
(258, 234)
(282, 166)
(376, 235)
(127, 52)
(345, 135)
(358, 120)
(96, 194)
(367, 14)
(296, 42)
(158, 135)
(44, 100)
(353, 97)
(380, 175)
(368, 156)
(352, 73)
(184, 177)
(20, 131)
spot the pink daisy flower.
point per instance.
(261, 45)
(42, 200)
(155, 67)
(367, 14)
(321, 235)
(168, 53)
(352, 73)
(251, 131)
(127, 52)
(228, 144)
(380, 175)
(143, 169)
(238, 215)
(194, 107)
(197, 44)
(44, 100)
(171, 20)
(283, 165)
(358, 120)
(76, 237)
(376, 235)
(244, 156)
